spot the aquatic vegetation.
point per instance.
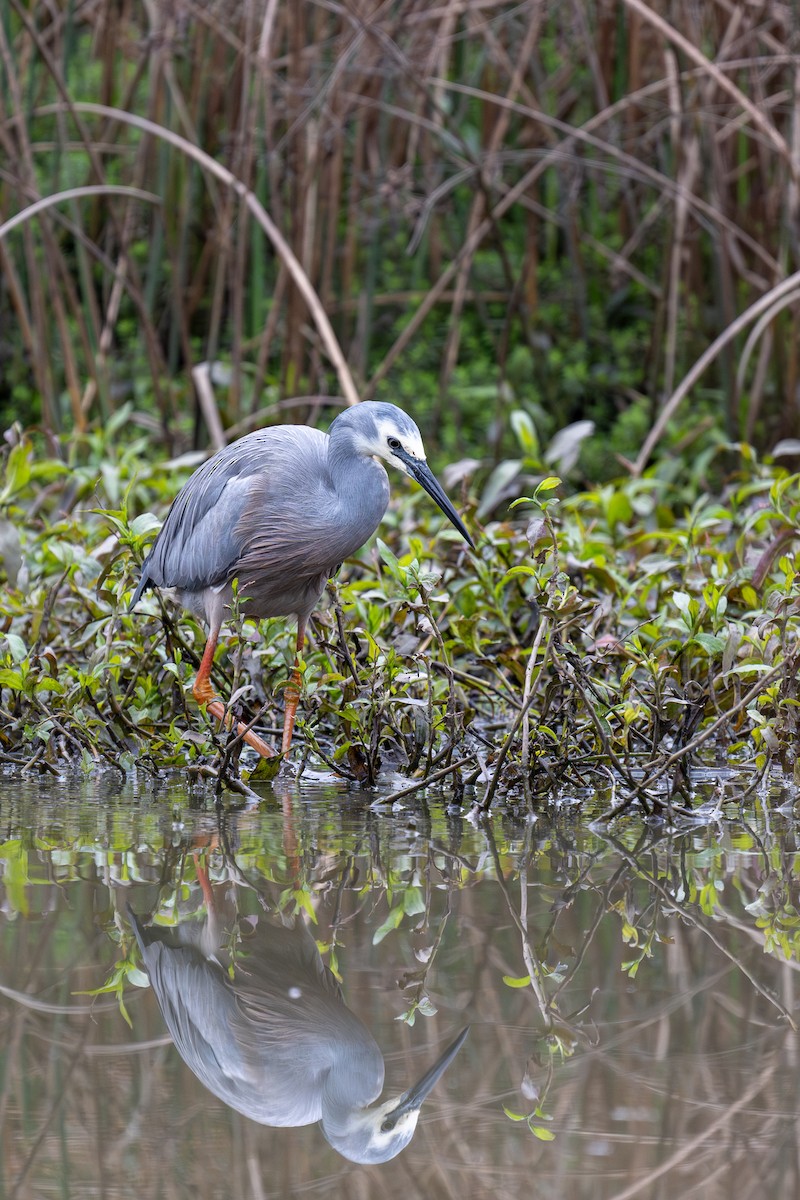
(606, 639)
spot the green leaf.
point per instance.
(387, 555)
(500, 479)
(619, 510)
(18, 471)
(513, 572)
(145, 523)
(547, 485)
(630, 934)
(413, 901)
(16, 647)
(525, 432)
(302, 899)
(544, 1135)
(682, 601)
(14, 858)
(46, 684)
(265, 769)
(520, 981)
(392, 921)
(710, 642)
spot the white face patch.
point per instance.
(388, 432)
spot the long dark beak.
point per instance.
(426, 478)
(413, 1098)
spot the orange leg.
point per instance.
(204, 881)
(291, 694)
(203, 693)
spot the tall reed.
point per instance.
(394, 188)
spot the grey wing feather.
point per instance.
(284, 953)
(200, 543)
(197, 1004)
(198, 1007)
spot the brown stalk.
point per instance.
(720, 78)
(687, 176)
(257, 209)
(512, 196)
(704, 361)
(243, 166)
(481, 203)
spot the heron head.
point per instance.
(398, 440)
(384, 431)
(365, 1137)
(374, 1135)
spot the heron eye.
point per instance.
(394, 443)
(388, 1124)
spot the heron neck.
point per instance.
(342, 1114)
(359, 481)
(355, 1080)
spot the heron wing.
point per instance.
(291, 1013)
(280, 957)
(268, 1040)
(198, 1006)
(201, 542)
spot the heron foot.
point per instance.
(218, 710)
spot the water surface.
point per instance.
(630, 995)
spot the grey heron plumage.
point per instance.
(267, 1031)
(279, 511)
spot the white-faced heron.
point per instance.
(279, 511)
(266, 1030)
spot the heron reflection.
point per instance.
(265, 1028)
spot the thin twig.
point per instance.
(425, 782)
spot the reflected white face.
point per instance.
(373, 1135)
(386, 1136)
(390, 443)
(404, 1126)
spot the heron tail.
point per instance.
(142, 586)
(137, 929)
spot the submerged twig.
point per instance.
(425, 782)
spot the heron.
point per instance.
(265, 1028)
(279, 511)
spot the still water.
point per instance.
(630, 997)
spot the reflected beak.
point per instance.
(425, 477)
(412, 1100)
